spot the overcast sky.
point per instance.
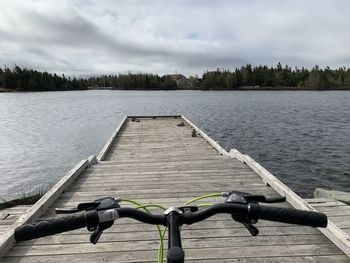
(95, 37)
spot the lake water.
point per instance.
(302, 137)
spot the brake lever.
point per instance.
(66, 210)
(98, 205)
(252, 229)
(245, 198)
(276, 200)
(247, 223)
(236, 197)
(80, 207)
(95, 236)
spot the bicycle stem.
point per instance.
(175, 252)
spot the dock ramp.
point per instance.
(167, 160)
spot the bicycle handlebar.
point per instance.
(49, 227)
(141, 216)
(293, 216)
(252, 210)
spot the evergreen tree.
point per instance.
(22, 79)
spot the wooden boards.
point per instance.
(40, 207)
(333, 232)
(110, 141)
(333, 194)
(157, 160)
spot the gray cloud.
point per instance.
(91, 37)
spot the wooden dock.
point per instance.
(9, 216)
(168, 161)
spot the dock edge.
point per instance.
(332, 231)
(8, 240)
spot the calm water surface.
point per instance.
(302, 137)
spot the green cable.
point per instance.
(151, 206)
(187, 203)
(161, 235)
(132, 202)
(204, 205)
(202, 197)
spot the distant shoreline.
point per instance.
(3, 90)
(239, 89)
(244, 78)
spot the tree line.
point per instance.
(23, 79)
(246, 77)
(138, 81)
(260, 77)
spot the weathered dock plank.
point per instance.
(337, 212)
(157, 160)
(333, 232)
(40, 207)
(9, 216)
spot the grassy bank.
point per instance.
(6, 90)
(28, 197)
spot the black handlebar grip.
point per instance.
(293, 216)
(49, 227)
